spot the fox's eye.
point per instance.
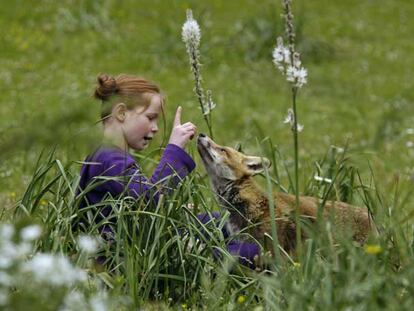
(223, 150)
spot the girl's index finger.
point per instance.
(177, 118)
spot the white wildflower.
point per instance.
(5, 279)
(293, 70)
(191, 33)
(210, 105)
(409, 131)
(301, 77)
(74, 301)
(54, 270)
(88, 244)
(409, 144)
(6, 232)
(31, 233)
(281, 55)
(290, 118)
(322, 179)
(98, 303)
(4, 297)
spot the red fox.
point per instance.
(231, 174)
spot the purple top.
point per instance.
(126, 174)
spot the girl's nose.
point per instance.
(155, 127)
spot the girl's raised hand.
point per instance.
(181, 133)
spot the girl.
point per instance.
(131, 107)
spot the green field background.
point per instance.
(359, 56)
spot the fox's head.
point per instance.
(226, 163)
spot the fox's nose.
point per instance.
(201, 135)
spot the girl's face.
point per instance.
(140, 124)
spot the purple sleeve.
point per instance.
(175, 164)
(243, 250)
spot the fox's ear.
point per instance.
(256, 165)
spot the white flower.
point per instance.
(290, 118)
(4, 297)
(409, 144)
(54, 270)
(6, 232)
(295, 73)
(301, 77)
(31, 232)
(5, 279)
(88, 244)
(98, 303)
(281, 55)
(191, 33)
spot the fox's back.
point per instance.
(343, 216)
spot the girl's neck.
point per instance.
(113, 136)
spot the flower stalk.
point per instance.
(191, 36)
(287, 60)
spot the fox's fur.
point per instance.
(231, 174)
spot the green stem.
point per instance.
(296, 149)
(198, 88)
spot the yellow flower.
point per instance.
(184, 306)
(43, 202)
(241, 299)
(13, 195)
(296, 264)
(373, 249)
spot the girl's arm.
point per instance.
(175, 164)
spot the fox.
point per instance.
(231, 176)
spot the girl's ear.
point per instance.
(119, 112)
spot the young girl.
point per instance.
(131, 108)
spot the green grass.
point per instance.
(359, 95)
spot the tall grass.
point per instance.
(164, 256)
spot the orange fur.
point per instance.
(231, 174)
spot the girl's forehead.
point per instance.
(155, 104)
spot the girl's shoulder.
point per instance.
(111, 158)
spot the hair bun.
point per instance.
(106, 87)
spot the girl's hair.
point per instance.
(133, 91)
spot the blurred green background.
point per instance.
(359, 56)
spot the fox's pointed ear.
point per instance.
(256, 165)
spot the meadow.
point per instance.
(357, 111)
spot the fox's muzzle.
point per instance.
(204, 146)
